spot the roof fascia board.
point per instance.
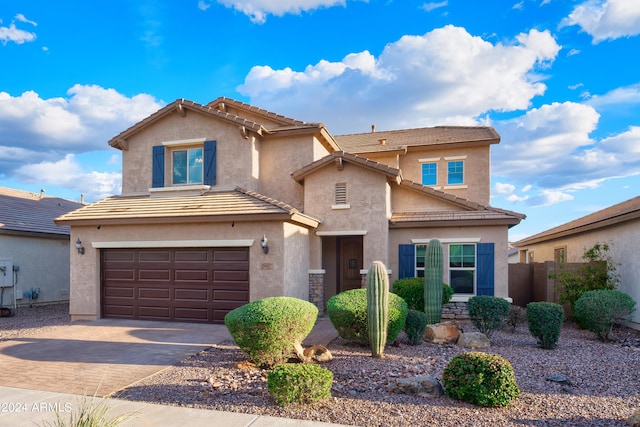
(455, 223)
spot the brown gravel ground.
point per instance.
(604, 377)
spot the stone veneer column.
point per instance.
(316, 289)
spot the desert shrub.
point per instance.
(598, 272)
(299, 383)
(267, 329)
(415, 325)
(517, 317)
(348, 314)
(545, 322)
(598, 310)
(488, 313)
(412, 291)
(481, 379)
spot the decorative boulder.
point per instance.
(443, 332)
(473, 340)
(634, 419)
(421, 385)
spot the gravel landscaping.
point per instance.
(602, 387)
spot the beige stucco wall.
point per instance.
(622, 240)
(497, 235)
(270, 274)
(43, 263)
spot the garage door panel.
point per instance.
(198, 285)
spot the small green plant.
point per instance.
(481, 379)
(412, 291)
(415, 325)
(487, 313)
(348, 314)
(91, 412)
(433, 281)
(545, 323)
(598, 272)
(597, 311)
(267, 329)
(299, 383)
(377, 286)
(517, 317)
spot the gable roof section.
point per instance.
(223, 103)
(235, 205)
(376, 142)
(338, 157)
(23, 212)
(622, 212)
(470, 213)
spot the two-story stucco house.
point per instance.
(226, 203)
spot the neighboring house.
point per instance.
(34, 251)
(226, 203)
(618, 226)
(512, 254)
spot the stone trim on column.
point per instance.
(316, 289)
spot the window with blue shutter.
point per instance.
(210, 162)
(485, 283)
(157, 169)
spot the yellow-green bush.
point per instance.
(299, 383)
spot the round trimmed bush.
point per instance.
(412, 291)
(348, 314)
(481, 379)
(299, 383)
(598, 310)
(267, 329)
(487, 313)
(545, 322)
(415, 325)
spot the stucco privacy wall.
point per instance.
(367, 208)
(268, 273)
(237, 161)
(43, 263)
(497, 235)
(622, 240)
(296, 257)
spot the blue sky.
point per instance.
(558, 79)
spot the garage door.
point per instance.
(186, 285)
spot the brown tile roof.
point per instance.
(222, 103)
(622, 212)
(235, 205)
(373, 142)
(25, 212)
(338, 157)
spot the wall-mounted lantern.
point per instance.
(263, 243)
(79, 247)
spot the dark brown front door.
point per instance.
(349, 263)
(176, 284)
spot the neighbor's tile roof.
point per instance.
(625, 211)
(380, 141)
(234, 205)
(25, 212)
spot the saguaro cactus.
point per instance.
(377, 307)
(433, 282)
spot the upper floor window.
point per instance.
(187, 166)
(429, 173)
(455, 172)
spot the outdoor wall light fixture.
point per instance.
(79, 247)
(263, 243)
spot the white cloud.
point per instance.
(623, 95)
(258, 10)
(446, 76)
(13, 34)
(504, 188)
(606, 19)
(203, 5)
(20, 17)
(428, 7)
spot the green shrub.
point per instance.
(267, 329)
(412, 291)
(598, 310)
(415, 325)
(487, 313)
(517, 316)
(348, 314)
(481, 379)
(545, 322)
(299, 383)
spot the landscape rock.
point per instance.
(473, 340)
(634, 419)
(421, 385)
(443, 332)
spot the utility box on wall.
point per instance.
(7, 293)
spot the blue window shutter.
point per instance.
(210, 162)
(157, 173)
(485, 269)
(406, 261)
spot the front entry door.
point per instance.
(349, 263)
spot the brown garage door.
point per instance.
(186, 285)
